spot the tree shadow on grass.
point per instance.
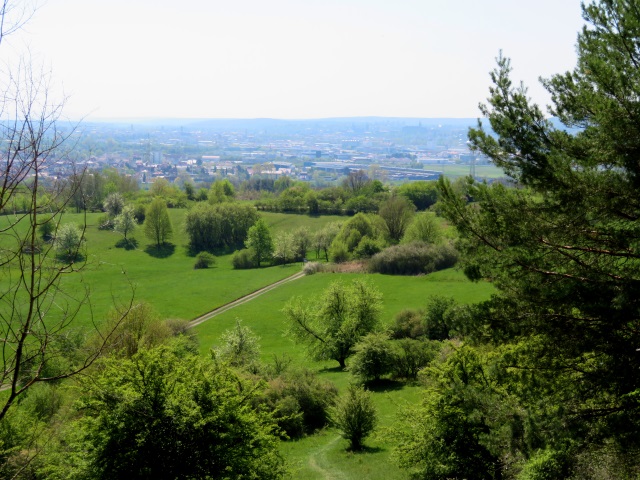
(384, 385)
(337, 369)
(364, 450)
(163, 250)
(127, 244)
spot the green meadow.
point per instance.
(166, 279)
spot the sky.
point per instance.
(292, 59)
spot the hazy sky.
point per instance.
(295, 58)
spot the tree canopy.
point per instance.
(562, 247)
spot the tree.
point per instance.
(240, 346)
(125, 223)
(356, 181)
(355, 415)
(397, 213)
(562, 248)
(36, 308)
(157, 224)
(423, 228)
(114, 204)
(220, 225)
(259, 241)
(333, 326)
(284, 249)
(68, 241)
(158, 415)
(221, 191)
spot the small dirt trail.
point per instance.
(241, 300)
(318, 458)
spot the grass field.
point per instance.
(166, 279)
(324, 455)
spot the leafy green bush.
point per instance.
(413, 259)
(408, 324)
(204, 260)
(410, 356)
(372, 357)
(243, 259)
(367, 247)
(299, 401)
(355, 415)
(338, 252)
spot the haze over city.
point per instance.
(294, 59)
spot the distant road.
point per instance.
(241, 300)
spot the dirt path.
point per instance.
(241, 300)
(318, 458)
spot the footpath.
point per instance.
(241, 300)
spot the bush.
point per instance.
(408, 324)
(243, 259)
(47, 228)
(339, 253)
(547, 465)
(410, 356)
(355, 415)
(312, 267)
(413, 259)
(300, 401)
(240, 346)
(372, 357)
(204, 260)
(367, 247)
(437, 322)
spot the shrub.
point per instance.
(413, 259)
(312, 267)
(338, 252)
(408, 324)
(243, 259)
(367, 247)
(240, 346)
(437, 322)
(372, 357)
(410, 356)
(204, 260)
(547, 464)
(355, 415)
(300, 401)
(47, 228)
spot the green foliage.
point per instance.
(422, 194)
(413, 259)
(220, 225)
(437, 321)
(125, 222)
(284, 248)
(367, 247)
(240, 347)
(332, 327)
(243, 259)
(411, 356)
(47, 228)
(372, 357)
(423, 228)
(69, 238)
(221, 191)
(444, 437)
(114, 204)
(157, 226)
(204, 260)
(355, 415)
(562, 246)
(408, 323)
(397, 213)
(259, 241)
(338, 252)
(299, 401)
(157, 415)
(547, 465)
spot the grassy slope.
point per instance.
(324, 455)
(176, 290)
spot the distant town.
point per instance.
(317, 151)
